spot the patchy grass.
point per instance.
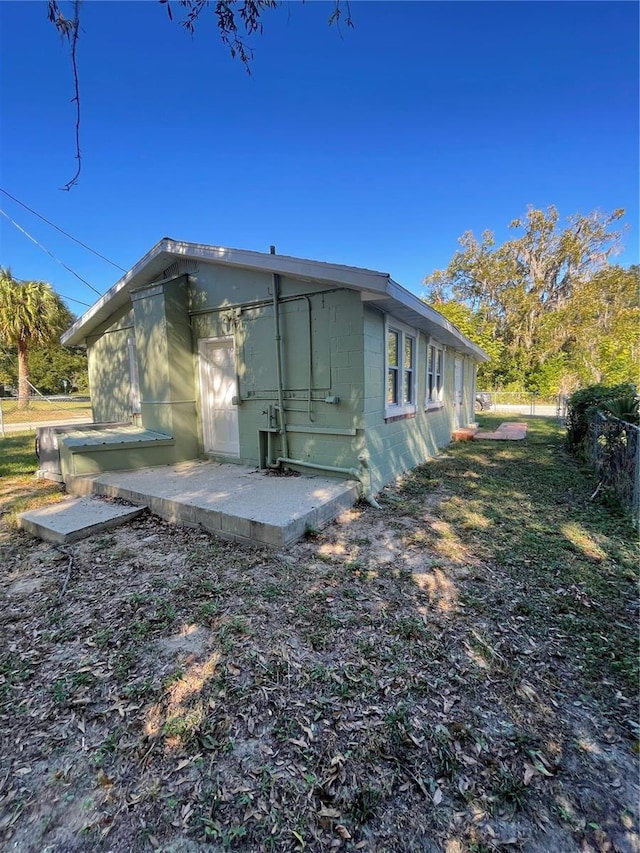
(564, 562)
(17, 460)
(19, 489)
(452, 674)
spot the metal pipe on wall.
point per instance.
(367, 492)
(281, 413)
(284, 459)
(308, 298)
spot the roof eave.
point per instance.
(378, 284)
(353, 277)
(449, 332)
(116, 296)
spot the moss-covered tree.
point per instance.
(563, 314)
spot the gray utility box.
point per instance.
(47, 449)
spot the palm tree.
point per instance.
(31, 313)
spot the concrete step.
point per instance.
(464, 434)
(75, 518)
(233, 501)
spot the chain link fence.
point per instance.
(520, 403)
(41, 409)
(613, 448)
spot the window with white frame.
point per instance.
(409, 369)
(435, 375)
(401, 349)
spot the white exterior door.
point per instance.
(458, 392)
(217, 391)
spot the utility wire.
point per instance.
(79, 301)
(61, 230)
(33, 240)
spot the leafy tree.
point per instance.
(599, 327)
(31, 314)
(474, 325)
(7, 375)
(57, 369)
(543, 295)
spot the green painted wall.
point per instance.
(159, 322)
(399, 445)
(165, 362)
(322, 354)
(108, 362)
(121, 459)
(333, 347)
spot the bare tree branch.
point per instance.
(236, 20)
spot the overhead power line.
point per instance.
(72, 299)
(51, 255)
(61, 230)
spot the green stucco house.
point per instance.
(270, 361)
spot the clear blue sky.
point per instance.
(376, 147)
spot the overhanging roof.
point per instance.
(375, 287)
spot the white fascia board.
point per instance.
(169, 250)
(114, 298)
(354, 277)
(373, 285)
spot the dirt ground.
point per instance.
(165, 690)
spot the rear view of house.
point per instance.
(270, 361)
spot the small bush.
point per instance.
(583, 403)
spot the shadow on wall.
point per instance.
(109, 378)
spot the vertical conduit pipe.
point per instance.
(308, 298)
(281, 415)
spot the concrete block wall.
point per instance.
(331, 329)
(74, 464)
(396, 446)
(333, 336)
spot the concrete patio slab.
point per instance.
(233, 501)
(75, 518)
